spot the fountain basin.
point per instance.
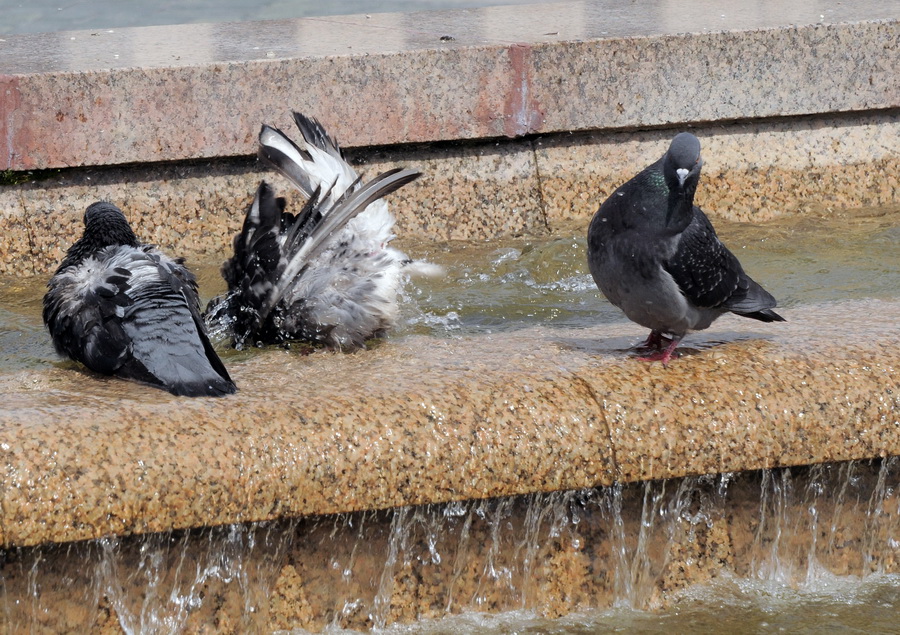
(101, 477)
(526, 119)
(788, 548)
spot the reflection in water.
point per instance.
(710, 554)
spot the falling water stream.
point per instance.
(730, 552)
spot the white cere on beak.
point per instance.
(682, 175)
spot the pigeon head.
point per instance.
(682, 163)
(105, 225)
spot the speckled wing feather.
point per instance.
(83, 310)
(702, 267)
(710, 276)
(133, 313)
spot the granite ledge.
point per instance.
(481, 416)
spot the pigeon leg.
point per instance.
(663, 356)
(656, 340)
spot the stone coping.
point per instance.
(426, 420)
(144, 95)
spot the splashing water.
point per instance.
(508, 284)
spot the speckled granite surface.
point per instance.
(198, 91)
(752, 172)
(536, 410)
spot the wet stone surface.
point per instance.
(477, 416)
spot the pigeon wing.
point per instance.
(705, 271)
(315, 162)
(180, 279)
(338, 215)
(710, 276)
(134, 313)
(83, 311)
(169, 347)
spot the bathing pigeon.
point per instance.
(655, 255)
(126, 309)
(325, 275)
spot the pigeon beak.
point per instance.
(682, 175)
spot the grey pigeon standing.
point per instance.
(326, 275)
(655, 255)
(126, 309)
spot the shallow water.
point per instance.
(728, 605)
(508, 284)
(45, 15)
(505, 285)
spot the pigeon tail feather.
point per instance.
(764, 315)
(342, 212)
(315, 162)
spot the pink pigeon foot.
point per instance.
(663, 356)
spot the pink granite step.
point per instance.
(200, 91)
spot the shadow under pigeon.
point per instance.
(631, 347)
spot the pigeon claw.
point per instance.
(663, 355)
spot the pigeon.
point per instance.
(655, 255)
(325, 276)
(124, 308)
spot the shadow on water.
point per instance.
(632, 346)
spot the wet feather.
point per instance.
(326, 275)
(126, 309)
